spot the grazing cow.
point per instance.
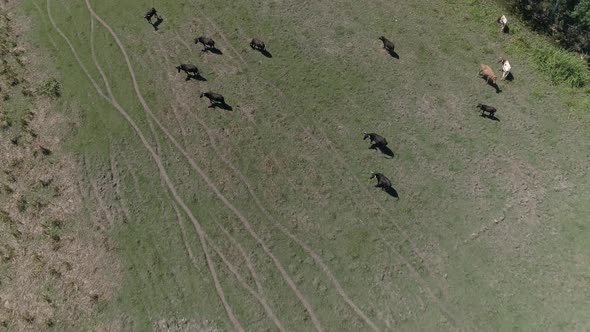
(488, 73)
(505, 68)
(382, 181)
(151, 13)
(258, 45)
(377, 141)
(189, 69)
(387, 44)
(485, 108)
(214, 98)
(503, 23)
(207, 42)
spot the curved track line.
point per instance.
(286, 232)
(243, 253)
(282, 94)
(423, 282)
(262, 301)
(339, 289)
(231, 238)
(138, 132)
(258, 296)
(117, 180)
(233, 270)
(210, 184)
(164, 178)
(91, 192)
(247, 259)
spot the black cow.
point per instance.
(151, 13)
(189, 69)
(214, 98)
(382, 181)
(377, 141)
(485, 108)
(387, 44)
(207, 42)
(258, 45)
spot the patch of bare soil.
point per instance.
(56, 267)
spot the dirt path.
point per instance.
(210, 184)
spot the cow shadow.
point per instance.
(213, 50)
(393, 54)
(157, 23)
(492, 84)
(266, 53)
(510, 77)
(223, 106)
(506, 29)
(392, 192)
(384, 150)
(197, 77)
(489, 116)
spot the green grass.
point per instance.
(410, 264)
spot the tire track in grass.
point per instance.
(156, 158)
(235, 242)
(318, 260)
(250, 266)
(201, 233)
(286, 232)
(423, 282)
(92, 192)
(204, 176)
(230, 266)
(166, 180)
(100, 202)
(257, 294)
(117, 184)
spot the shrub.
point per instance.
(51, 88)
(561, 66)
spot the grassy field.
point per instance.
(264, 217)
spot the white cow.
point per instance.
(503, 21)
(505, 68)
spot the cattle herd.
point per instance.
(378, 142)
